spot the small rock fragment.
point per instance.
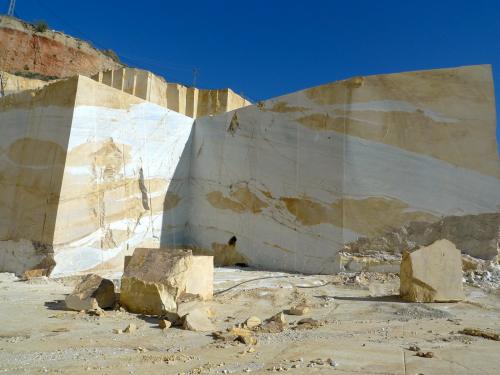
(253, 322)
(242, 335)
(331, 362)
(425, 354)
(470, 263)
(480, 333)
(97, 312)
(198, 320)
(131, 328)
(275, 324)
(308, 323)
(164, 323)
(278, 318)
(247, 340)
(298, 310)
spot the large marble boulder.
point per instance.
(155, 279)
(432, 274)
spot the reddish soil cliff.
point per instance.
(49, 53)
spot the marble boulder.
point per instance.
(91, 293)
(155, 279)
(432, 274)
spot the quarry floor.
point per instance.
(367, 330)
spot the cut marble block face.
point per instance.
(34, 128)
(88, 173)
(87, 176)
(119, 180)
(297, 177)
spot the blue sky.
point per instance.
(267, 48)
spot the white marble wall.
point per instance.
(123, 185)
(90, 173)
(296, 177)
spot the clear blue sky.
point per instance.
(265, 48)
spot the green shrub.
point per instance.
(40, 26)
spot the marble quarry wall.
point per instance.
(293, 179)
(86, 176)
(35, 128)
(10, 83)
(89, 172)
(189, 101)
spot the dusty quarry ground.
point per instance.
(367, 330)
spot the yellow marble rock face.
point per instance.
(432, 274)
(89, 171)
(189, 101)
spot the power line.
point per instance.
(12, 7)
(166, 66)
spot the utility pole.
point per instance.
(12, 7)
(195, 76)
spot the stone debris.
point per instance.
(131, 328)
(33, 274)
(155, 279)
(247, 340)
(164, 323)
(475, 235)
(232, 334)
(97, 312)
(480, 333)
(432, 274)
(298, 310)
(486, 277)
(472, 264)
(61, 329)
(198, 320)
(373, 262)
(308, 323)
(92, 293)
(173, 317)
(275, 324)
(42, 269)
(424, 354)
(295, 364)
(253, 322)
(226, 336)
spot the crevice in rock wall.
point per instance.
(233, 125)
(144, 190)
(227, 255)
